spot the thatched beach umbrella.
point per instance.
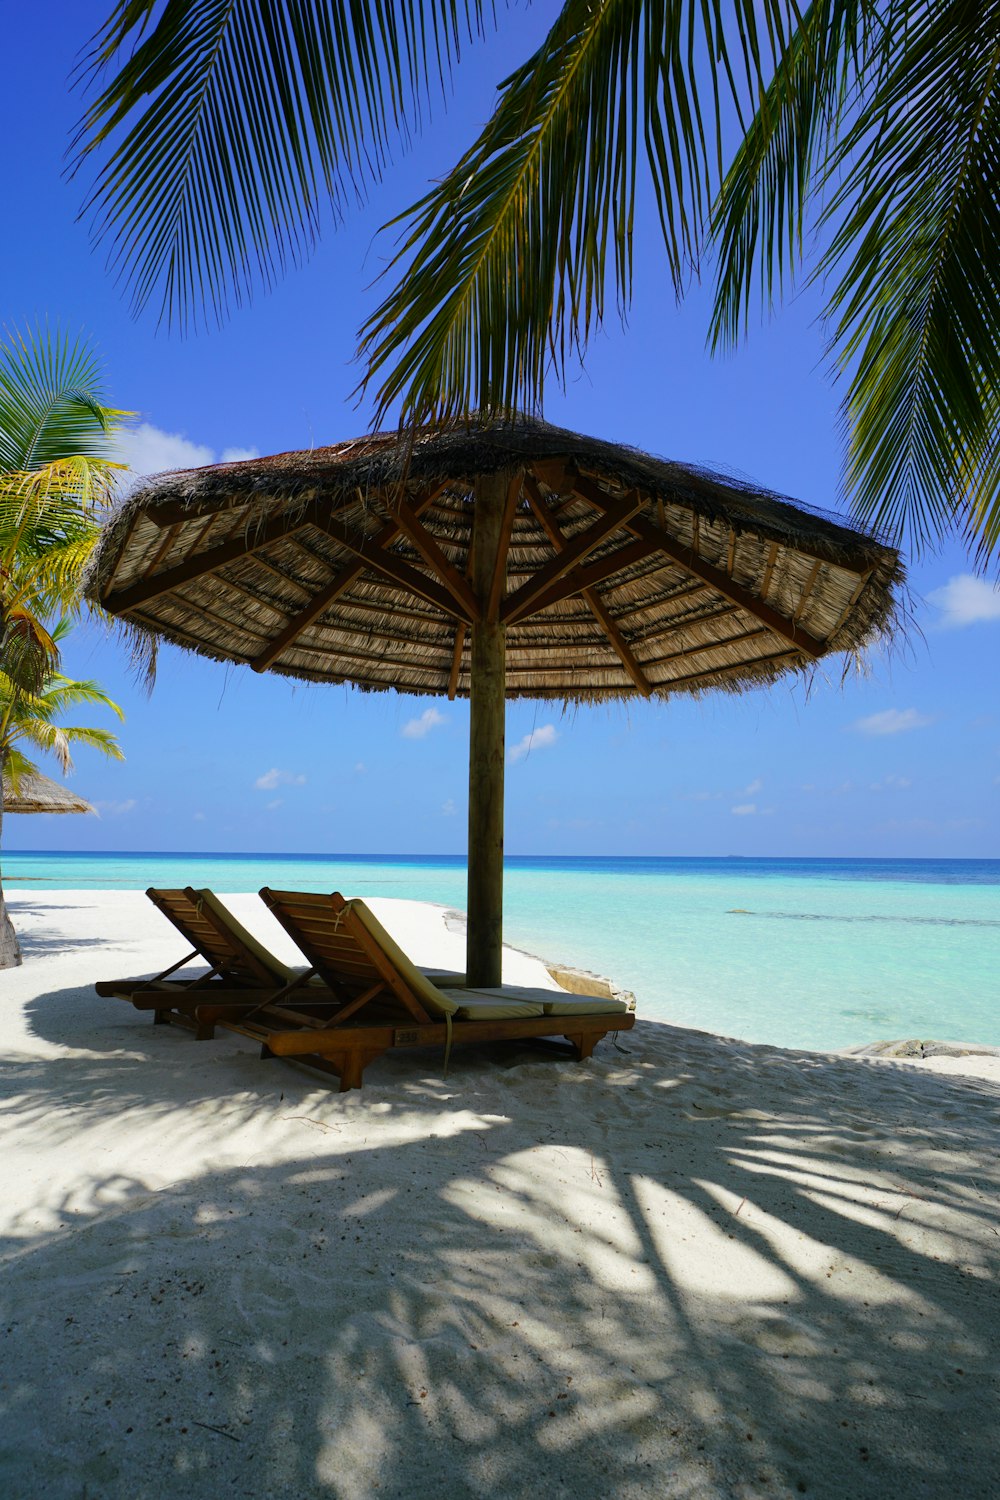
(35, 793)
(516, 560)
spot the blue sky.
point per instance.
(904, 761)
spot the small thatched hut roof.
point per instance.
(38, 794)
(623, 573)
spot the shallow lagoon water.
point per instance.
(801, 953)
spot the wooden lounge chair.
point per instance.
(385, 1001)
(241, 972)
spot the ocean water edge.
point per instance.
(822, 953)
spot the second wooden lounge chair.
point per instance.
(386, 1002)
(241, 970)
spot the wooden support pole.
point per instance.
(486, 741)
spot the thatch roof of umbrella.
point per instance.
(624, 572)
(513, 560)
(36, 793)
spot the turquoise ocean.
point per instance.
(803, 953)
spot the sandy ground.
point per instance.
(690, 1267)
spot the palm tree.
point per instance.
(55, 478)
(875, 123)
(33, 719)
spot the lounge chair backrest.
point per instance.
(338, 937)
(214, 932)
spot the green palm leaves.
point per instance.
(32, 719)
(55, 478)
(859, 136)
(235, 127)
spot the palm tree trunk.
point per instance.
(10, 952)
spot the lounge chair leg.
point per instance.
(584, 1043)
(161, 1018)
(204, 1031)
(265, 1050)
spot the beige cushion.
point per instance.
(281, 971)
(435, 1000)
(484, 1005)
(445, 979)
(585, 1005)
(554, 1002)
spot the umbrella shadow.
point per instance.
(532, 1280)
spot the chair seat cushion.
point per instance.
(553, 1002)
(484, 1005)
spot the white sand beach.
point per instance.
(689, 1267)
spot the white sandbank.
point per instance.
(690, 1268)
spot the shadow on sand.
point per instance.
(532, 1279)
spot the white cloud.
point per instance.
(149, 450)
(539, 739)
(278, 802)
(448, 808)
(237, 455)
(275, 778)
(415, 729)
(199, 817)
(699, 796)
(117, 809)
(360, 768)
(744, 810)
(754, 786)
(892, 721)
(966, 600)
(891, 783)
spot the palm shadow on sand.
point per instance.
(493, 1295)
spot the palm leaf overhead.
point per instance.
(232, 128)
(504, 267)
(895, 155)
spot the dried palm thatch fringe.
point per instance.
(625, 574)
(36, 793)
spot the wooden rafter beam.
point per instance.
(683, 652)
(525, 600)
(506, 528)
(578, 579)
(807, 589)
(710, 676)
(305, 617)
(593, 600)
(252, 540)
(640, 527)
(378, 560)
(416, 533)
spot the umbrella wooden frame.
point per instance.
(517, 560)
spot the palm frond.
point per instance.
(50, 406)
(16, 766)
(504, 266)
(759, 217)
(916, 255)
(61, 693)
(228, 126)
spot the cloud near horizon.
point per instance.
(539, 739)
(416, 729)
(966, 600)
(892, 721)
(275, 778)
(116, 809)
